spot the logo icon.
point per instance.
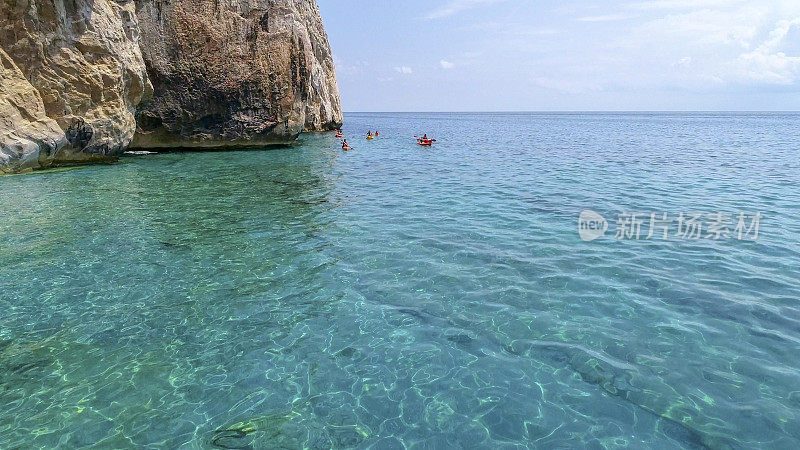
(591, 226)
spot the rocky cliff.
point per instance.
(84, 80)
(83, 59)
(231, 73)
(29, 138)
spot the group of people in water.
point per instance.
(346, 145)
(370, 136)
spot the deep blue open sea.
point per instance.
(396, 296)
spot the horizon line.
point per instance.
(577, 111)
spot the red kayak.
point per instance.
(426, 142)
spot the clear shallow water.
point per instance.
(399, 296)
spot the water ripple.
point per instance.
(396, 296)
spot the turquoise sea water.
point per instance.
(396, 296)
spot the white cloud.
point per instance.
(404, 70)
(446, 64)
(456, 6)
(509, 29)
(705, 27)
(767, 63)
(685, 4)
(666, 45)
(731, 41)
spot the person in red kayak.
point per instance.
(345, 145)
(424, 140)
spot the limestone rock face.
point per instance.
(83, 58)
(234, 73)
(75, 76)
(28, 138)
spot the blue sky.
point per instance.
(520, 55)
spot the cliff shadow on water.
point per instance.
(135, 151)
